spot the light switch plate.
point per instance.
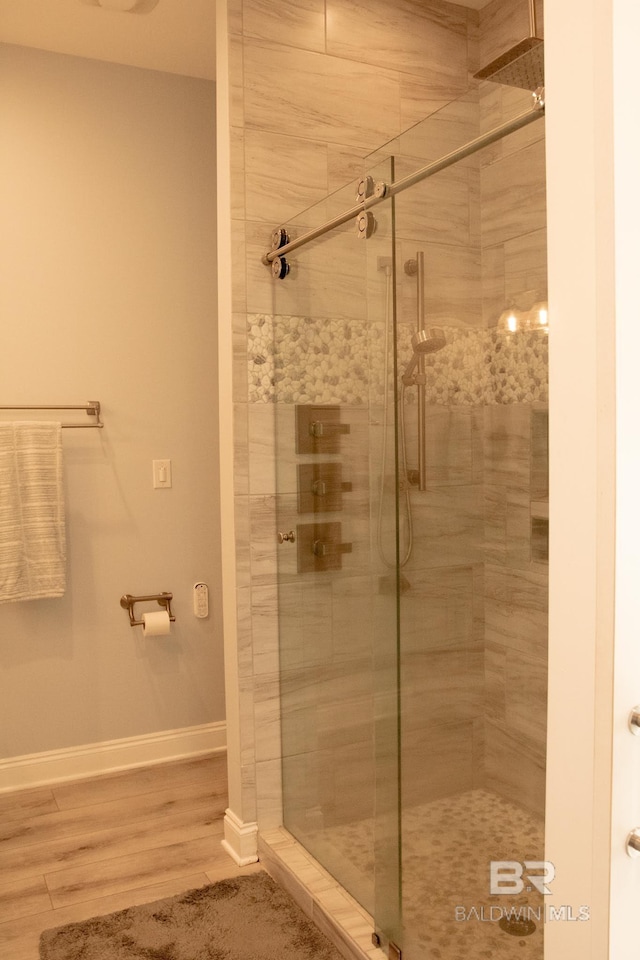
(161, 474)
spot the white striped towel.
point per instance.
(32, 523)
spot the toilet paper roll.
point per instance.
(156, 624)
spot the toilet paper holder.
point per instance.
(127, 603)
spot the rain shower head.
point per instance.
(522, 65)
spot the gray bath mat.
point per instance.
(245, 918)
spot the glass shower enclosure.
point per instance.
(409, 377)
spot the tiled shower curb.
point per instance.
(325, 902)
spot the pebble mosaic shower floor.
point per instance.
(448, 844)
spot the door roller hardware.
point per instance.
(279, 268)
(279, 238)
(365, 224)
(287, 537)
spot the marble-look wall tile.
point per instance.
(507, 526)
(283, 175)
(263, 292)
(503, 23)
(452, 284)
(516, 608)
(262, 448)
(478, 602)
(354, 612)
(330, 282)
(441, 685)
(269, 800)
(306, 624)
(417, 101)
(435, 210)
(345, 165)
(451, 519)
(247, 723)
(540, 453)
(439, 132)
(236, 88)
(509, 213)
(287, 459)
(243, 540)
(498, 105)
(516, 692)
(508, 446)
(264, 619)
(495, 523)
(514, 768)
(478, 751)
(448, 443)
(303, 22)
(326, 98)
(517, 530)
(240, 447)
(346, 776)
(473, 42)
(525, 268)
(245, 631)
(436, 762)
(429, 41)
(234, 13)
(266, 712)
(238, 211)
(240, 380)
(263, 540)
(300, 693)
(495, 671)
(238, 261)
(526, 697)
(477, 444)
(494, 298)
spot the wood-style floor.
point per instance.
(86, 848)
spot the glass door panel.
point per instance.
(470, 278)
(338, 625)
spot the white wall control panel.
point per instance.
(201, 600)
(161, 474)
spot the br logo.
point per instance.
(514, 876)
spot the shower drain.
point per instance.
(517, 928)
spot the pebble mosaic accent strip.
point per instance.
(303, 360)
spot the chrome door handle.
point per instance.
(634, 721)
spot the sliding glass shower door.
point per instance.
(410, 388)
(471, 353)
(333, 365)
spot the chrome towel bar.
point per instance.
(92, 408)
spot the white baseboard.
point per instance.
(94, 759)
(240, 839)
